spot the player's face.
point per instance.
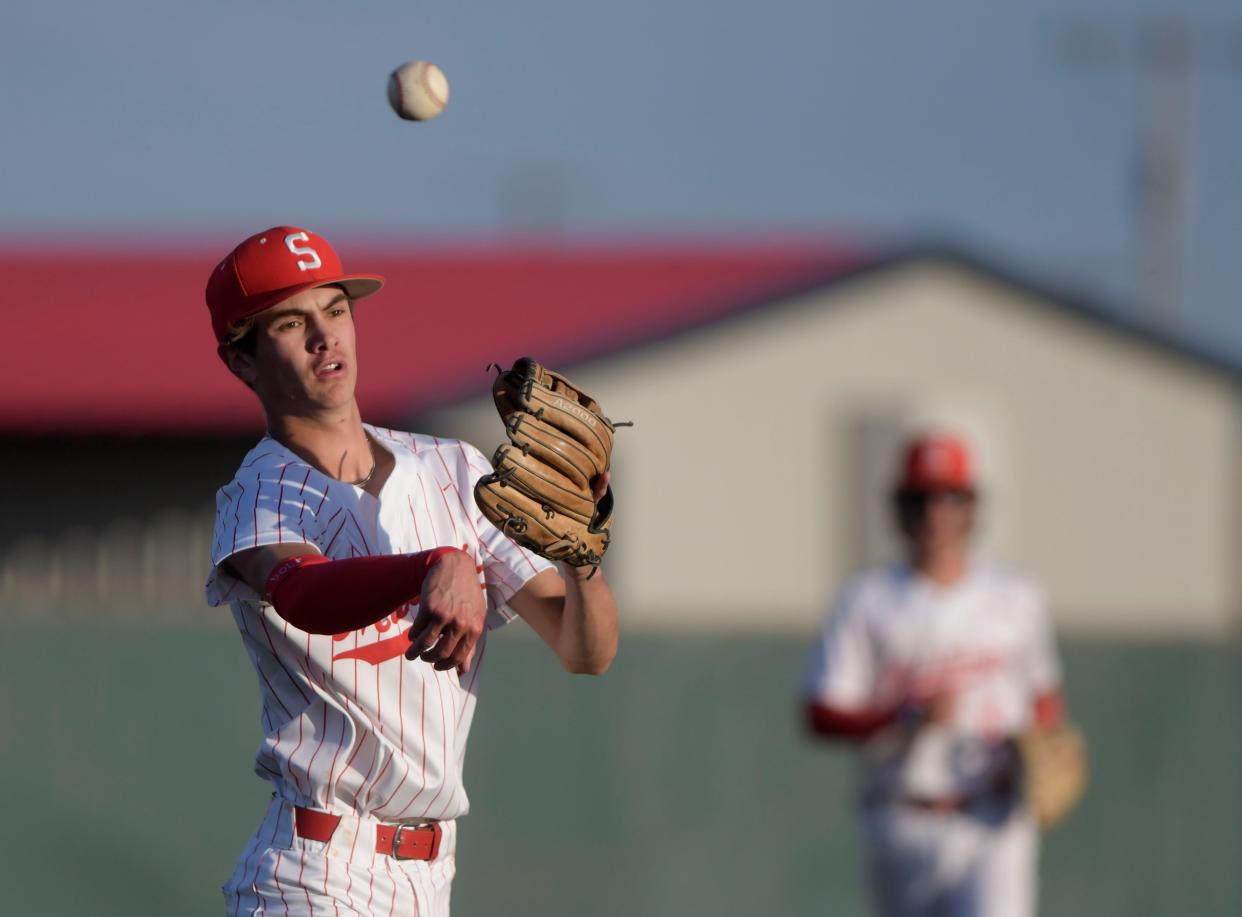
(304, 360)
(937, 520)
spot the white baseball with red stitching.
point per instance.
(418, 91)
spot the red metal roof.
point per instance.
(116, 339)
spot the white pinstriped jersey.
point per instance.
(893, 633)
(350, 725)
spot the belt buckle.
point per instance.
(435, 841)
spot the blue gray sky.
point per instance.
(885, 121)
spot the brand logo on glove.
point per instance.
(585, 416)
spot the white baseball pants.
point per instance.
(928, 864)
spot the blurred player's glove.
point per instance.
(559, 442)
(1054, 771)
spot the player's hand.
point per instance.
(451, 614)
(599, 486)
(929, 702)
(940, 708)
(928, 709)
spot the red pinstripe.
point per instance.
(258, 492)
(398, 786)
(241, 490)
(366, 546)
(310, 765)
(474, 673)
(331, 784)
(355, 669)
(276, 880)
(423, 745)
(468, 512)
(353, 754)
(258, 458)
(280, 505)
(302, 496)
(335, 910)
(401, 705)
(349, 875)
(289, 675)
(392, 903)
(413, 891)
(374, 783)
(448, 510)
(375, 753)
(327, 551)
(217, 545)
(401, 673)
(305, 890)
(243, 868)
(444, 749)
(478, 539)
(455, 694)
(371, 893)
(378, 745)
(270, 689)
(431, 519)
(379, 701)
(414, 515)
(260, 849)
(293, 754)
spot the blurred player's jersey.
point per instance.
(894, 634)
(350, 725)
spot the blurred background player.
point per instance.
(933, 666)
(362, 577)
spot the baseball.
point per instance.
(418, 91)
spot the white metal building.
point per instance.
(756, 475)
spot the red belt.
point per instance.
(402, 842)
(944, 806)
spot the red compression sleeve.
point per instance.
(847, 724)
(322, 596)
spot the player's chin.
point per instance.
(332, 387)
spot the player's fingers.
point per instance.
(416, 650)
(469, 660)
(441, 655)
(463, 652)
(424, 633)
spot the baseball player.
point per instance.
(933, 666)
(363, 580)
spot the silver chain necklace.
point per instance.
(374, 464)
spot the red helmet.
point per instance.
(937, 461)
(271, 266)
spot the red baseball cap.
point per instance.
(271, 266)
(937, 461)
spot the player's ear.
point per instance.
(240, 364)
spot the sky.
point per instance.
(882, 122)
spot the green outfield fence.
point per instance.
(678, 784)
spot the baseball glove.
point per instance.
(1054, 771)
(559, 442)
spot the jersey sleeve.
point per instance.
(257, 508)
(1043, 663)
(843, 668)
(507, 566)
